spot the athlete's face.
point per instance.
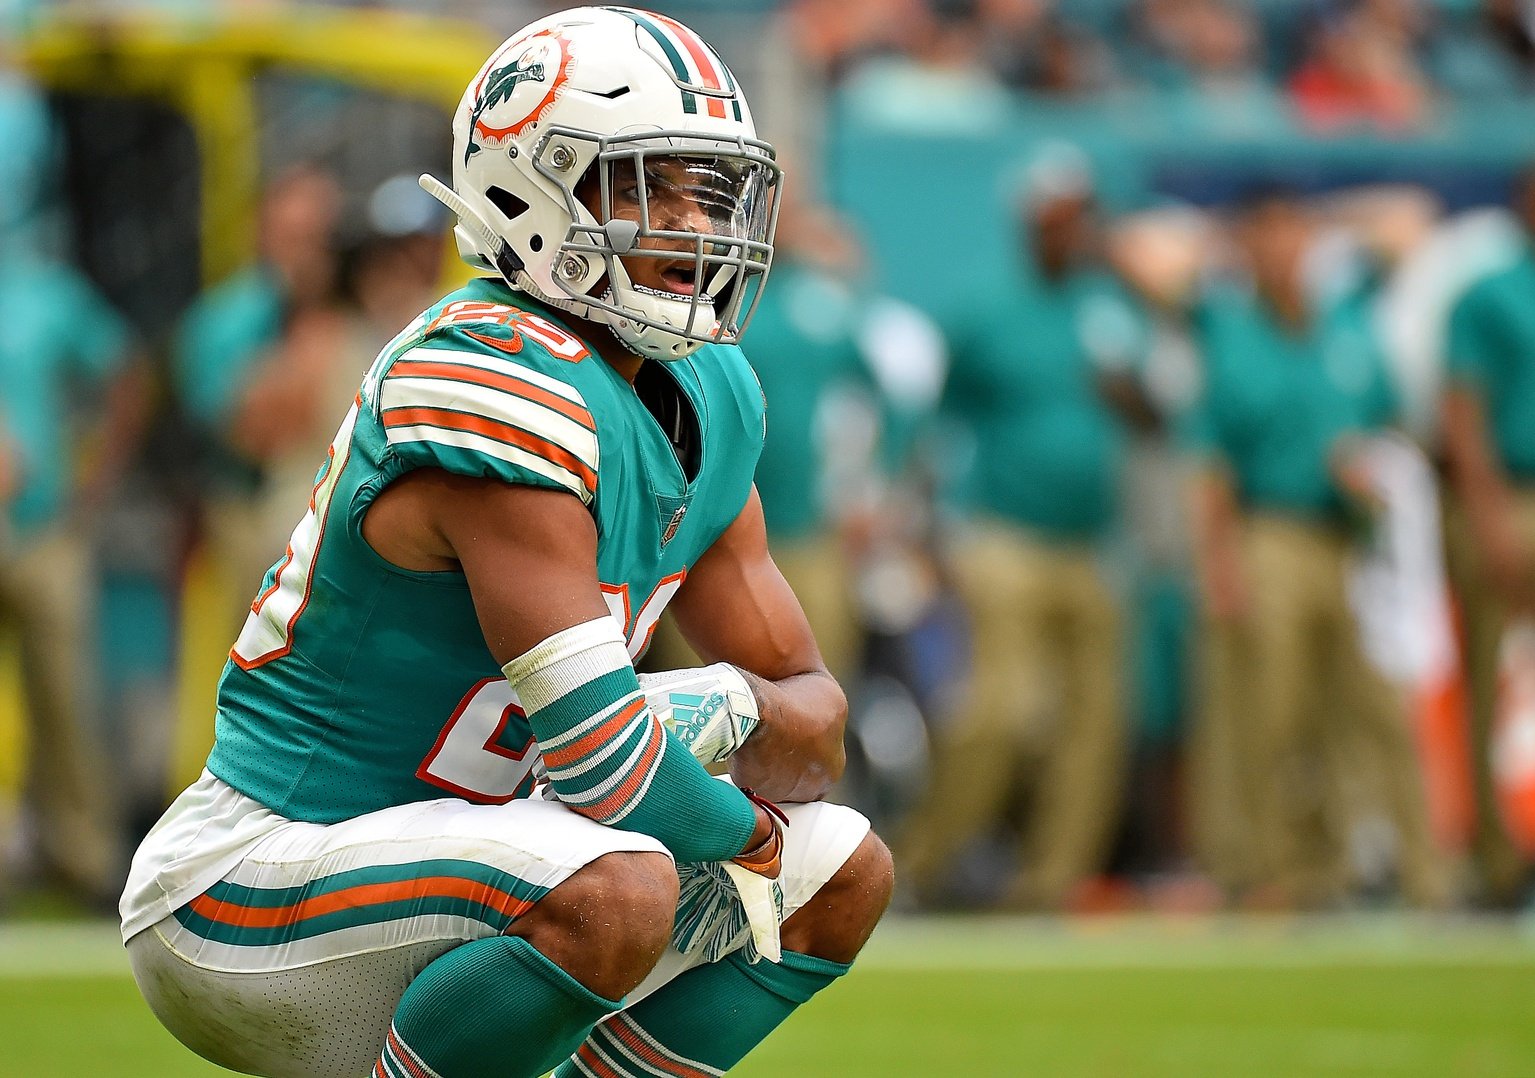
(684, 195)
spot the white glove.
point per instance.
(723, 907)
(711, 709)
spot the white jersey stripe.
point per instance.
(460, 439)
(494, 405)
(496, 365)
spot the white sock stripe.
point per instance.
(616, 1046)
(585, 726)
(634, 732)
(411, 1052)
(566, 661)
(625, 770)
(639, 1031)
(606, 1057)
(644, 787)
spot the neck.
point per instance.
(611, 349)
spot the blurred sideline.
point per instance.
(978, 943)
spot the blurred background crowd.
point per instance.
(1151, 422)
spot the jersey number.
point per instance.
(268, 630)
(468, 762)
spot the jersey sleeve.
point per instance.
(490, 416)
(1470, 343)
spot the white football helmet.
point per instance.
(595, 100)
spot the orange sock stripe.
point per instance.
(595, 1063)
(368, 894)
(565, 755)
(628, 1035)
(415, 368)
(404, 1055)
(615, 802)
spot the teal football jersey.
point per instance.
(355, 684)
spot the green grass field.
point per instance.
(1115, 998)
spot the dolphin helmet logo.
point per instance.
(544, 59)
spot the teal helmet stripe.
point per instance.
(679, 65)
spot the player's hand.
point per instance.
(764, 853)
(711, 710)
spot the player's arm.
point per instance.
(530, 558)
(737, 608)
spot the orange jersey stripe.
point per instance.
(367, 894)
(506, 383)
(589, 741)
(622, 1031)
(611, 805)
(496, 431)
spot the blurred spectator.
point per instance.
(74, 399)
(1032, 46)
(1362, 69)
(298, 390)
(804, 348)
(1511, 24)
(837, 35)
(241, 359)
(941, 79)
(1489, 445)
(1207, 53)
(1045, 624)
(843, 369)
(1293, 710)
(1161, 256)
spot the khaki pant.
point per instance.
(45, 588)
(1047, 681)
(1483, 616)
(1297, 728)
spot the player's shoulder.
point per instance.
(486, 383)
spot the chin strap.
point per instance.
(501, 257)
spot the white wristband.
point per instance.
(710, 709)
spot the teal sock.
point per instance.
(495, 1008)
(704, 1022)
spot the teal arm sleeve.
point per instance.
(608, 757)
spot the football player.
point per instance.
(445, 829)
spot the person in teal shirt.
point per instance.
(1488, 432)
(1038, 501)
(1293, 385)
(63, 345)
(219, 348)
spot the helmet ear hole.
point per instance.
(509, 204)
